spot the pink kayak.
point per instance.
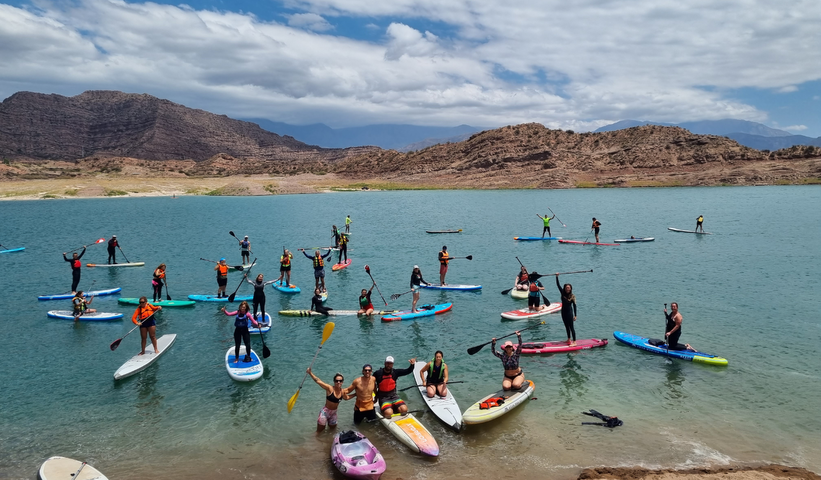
(558, 347)
(356, 457)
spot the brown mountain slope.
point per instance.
(114, 124)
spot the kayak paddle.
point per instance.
(557, 218)
(368, 269)
(326, 333)
(474, 350)
(121, 251)
(233, 295)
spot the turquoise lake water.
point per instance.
(749, 293)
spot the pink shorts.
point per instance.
(326, 417)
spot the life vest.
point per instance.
(222, 272)
(387, 383)
(242, 321)
(443, 258)
(546, 220)
(245, 244)
(143, 313)
(285, 260)
(522, 278)
(79, 304)
(319, 262)
(160, 276)
(441, 370)
(534, 287)
(364, 301)
(343, 239)
(76, 264)
(492, 402)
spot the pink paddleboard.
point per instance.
(340, 266)
(558, 347)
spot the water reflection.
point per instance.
(674, 381)
(572, 379)
(148, 399)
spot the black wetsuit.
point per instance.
(316, 305)
(568, 312)
(242, 334)
(259, 296)
(76, 269)
(112, 253)
(672, 340)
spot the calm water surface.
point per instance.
(750, 293)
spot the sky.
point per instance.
(576, 64)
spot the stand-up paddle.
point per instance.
(84, 246)
(240, 241)
(368, 269)
(116, 343)
(326, 333)
(666, 340)
(505, 292)
(469, 257)
(244, 277)
(237, 267)
(474, 350)
(537, 277)
(397, 295)
(167, 295)
(121, 251)
(557, 218)
(266, 352)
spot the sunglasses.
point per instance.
(367, 370)
(338, 381)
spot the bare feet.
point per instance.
(141, 353)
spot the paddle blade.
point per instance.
(266, 352)
(473, 350)
(395, 296)
(292, 401)
(469, 257)
(231, 232)
(327, 331)
(115, 344)
(100, 240)
(231, 297)
(239, 268)
(505, 292)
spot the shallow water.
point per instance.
(750, 293)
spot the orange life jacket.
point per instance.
(223, 271)
(285, 260)
(523, 278)
(492, 402)
(443, 258)
(318, 261)
(143, 312)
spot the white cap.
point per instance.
(114, 236)
(415, 267)
(389, 359)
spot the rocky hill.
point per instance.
(116, 124)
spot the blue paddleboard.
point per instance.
(214, 298)
(533, 239)
(643, 343)
(285, 288)
(67, 296)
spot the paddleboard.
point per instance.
(444, 231)
(448, 286)
(68, 296)
(340, 266)
(86, 317)
(138, 363)
(265, 326)
(285, 288)
(356, 457)
(422, 311)
(408, 430)
(161, 303)
(243, 371)
(10, 250)
(531, 348)
(687, 231)
(576, 242)
(512, 398)
(214, 298)
(634, 240)
(311, 313)
(62, 468)
(446, 409)
(535, 239)
(643, 343)
(524, 313)
(519, 294)
(132, 264)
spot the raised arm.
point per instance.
(319, 382)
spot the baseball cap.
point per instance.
(389, 359)
(444, 247)
(246, 236)
(415, 267)
(114, 236)
(222, 259)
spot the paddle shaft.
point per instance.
(416, 386)
(121, 251)
(233, 295)
(86, 246)
(540, 292)
(666, 341)
(116, 343)
(167, 295)
(474, 350)
(557, 218)
(81, 466)
(367, 269)
(397, 295)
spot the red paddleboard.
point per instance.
(589, 243)
(558, 347)
(340, 266)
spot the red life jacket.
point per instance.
(387, 383)
(492, 402)
(76, 264)
(534, 287)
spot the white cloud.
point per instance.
(795, 128)
(309, 21)
(788, 89)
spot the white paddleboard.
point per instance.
(138, 363)
(525, 313)
(243, 371)
(132, 264)
(446, 409)
(475, 414)
(62, 468)
(85, 317)
(687, 231)
(519, 294)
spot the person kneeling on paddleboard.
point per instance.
(328, 414)
(435, 376)
(364, 387)
(673, 329)
(534, 295)
(316, 303)
(144, 317)
(416, 282)
(386, 394)
(514, 375)
(81, 305)
(365, 304)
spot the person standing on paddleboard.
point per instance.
(222, 277)
(514, 375)
(144, 317)
(76, 268)
(335, 235)
(259, 294)
(699, 224)
(328, 414)
(673, 328)
(568, 312)
(595, 228)
(348, 224)
(112, 250)
(386, 393)
(546, 221)
(319, 267)
(416, 282)
(522, 280)
(80, 305)
(534, 294)
(444, 258)
(343, 247)
(435, 376)
(364, 387)
(245, 250)
(285, 267)
(365, 305)
(157, 282)
(316, 303)
(242, 331)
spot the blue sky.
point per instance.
(574, 65)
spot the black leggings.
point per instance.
(259, 301)
(75, 279)
(112, 256)
(343, 250)
(546, 229)
(568, 326)
(672, 340)
(242, 333)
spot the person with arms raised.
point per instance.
(76, 268)
(568, 310)
(386, 394)
(319, 267)
(514, 375)
(328, 414)
(546, 221)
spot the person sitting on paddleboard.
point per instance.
(343, 247)
(386, 394)
(259, 294)
(568, 312)
(222, 277)
(416, 282)
(673, 329)
(335, 235)
(242, 330)
(444, 258)
(144, 317)
(157, 282)
(76, 268)
(112, 252)
(319, 267)
(365, 305)
(595, 228)
(316, 303)
(546, 221)
(435, 376)
(285, 267)
(364, 387)
(80, 305)
(699, 222)
(534, 295)
(522, 280)
(514, 375)
(328, 414)
(245, 250)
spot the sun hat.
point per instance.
(507, 344)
